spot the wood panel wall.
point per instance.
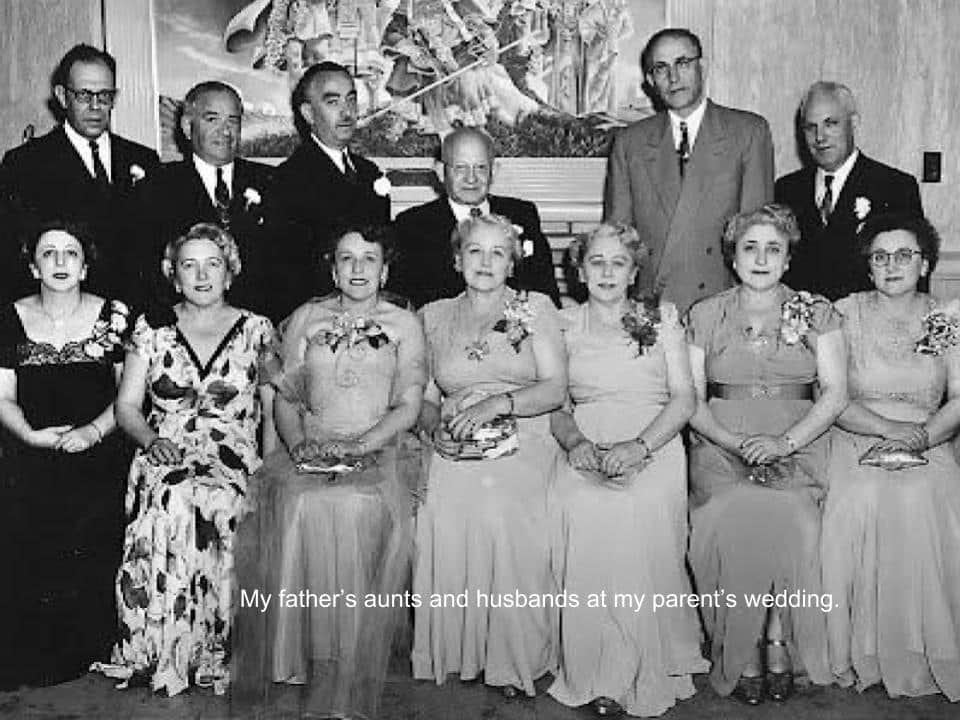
(35, 34)
(900, 58)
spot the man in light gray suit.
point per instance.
(678, 175)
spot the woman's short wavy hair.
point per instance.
(775, 215)
(380, 234)
(928, 239)
(202, 231)
(627, 235)
(74, 228)
(510, 232)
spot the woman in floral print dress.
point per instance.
(187, 482)
(60, 351)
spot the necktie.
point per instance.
(221, 197)
(99, 171)
(683, 151)
(349, 171)
(826, 204)
(476, 212)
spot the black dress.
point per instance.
(64, 526)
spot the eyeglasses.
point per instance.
(661, 70)
(903, 256)
(85, 97)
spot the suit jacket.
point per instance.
(730, 170)
(47, 179)
(424, 270)
(312, 198)
(177, 200)
(828, 260)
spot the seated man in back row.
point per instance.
(424, 271)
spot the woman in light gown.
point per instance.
(350, 382)
(757, 460)
(891, 538)
(622, 519)
(483, 529)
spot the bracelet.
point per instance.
(643, 445)
(513, 403)
(791, 443)
(99, 431)
(926, 436)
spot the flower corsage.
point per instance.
(352, 332)
(941, 330)
(517, 318)
(641, 322)
(796, 317)
(108, 333)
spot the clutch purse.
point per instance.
(330, 466)
(898, 459)
(495, 439)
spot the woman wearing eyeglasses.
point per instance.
(891, 534)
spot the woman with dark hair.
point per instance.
(60, 351)
(498, 369)
(891, 527)
(331, 523)
(622, 490)
(758, 352)
(199, 367)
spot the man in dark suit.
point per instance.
(214, 185)
(679, 175)
(322, 184)
(832, 197)
(424, 270)
(80, 170)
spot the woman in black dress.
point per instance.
(59, 355)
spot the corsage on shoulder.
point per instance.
(641, 322)
(351, 332)
(941, 330)
(796, 316)
(517, 320)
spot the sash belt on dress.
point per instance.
(760, 391)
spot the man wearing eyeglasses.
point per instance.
(678, 175)
(833, 195)
(80, 170)
(425, 270)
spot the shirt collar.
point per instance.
(693, 121)
(82, 146)
(208, 174)
(840, 175)
(461, 212)
(333, 153)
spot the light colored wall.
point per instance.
(35, 34)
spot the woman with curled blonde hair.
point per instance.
(199, 365)
(621, 501)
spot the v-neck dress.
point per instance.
(174, 586)
(62, 518)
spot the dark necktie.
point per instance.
(826, 204)
(99, 171)
(475, 212)
(349, 171)
(683, 151)
(221, 197)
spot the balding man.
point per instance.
(424, 271)
(215, 185)
(833, 196)
(323, 183)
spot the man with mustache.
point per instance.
(81, 170)
(678, 175)
(322, 184)
(832, 197)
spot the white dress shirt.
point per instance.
(82, 145)
(208, 174)
(693, 121)
(335, 155)
(461, 212)
(840, 176)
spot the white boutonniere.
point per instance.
(526, 246)
(252, 197)
(861, 208)
(382, 186)
(137, 174)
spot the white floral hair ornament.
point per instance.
(382, 186)
(137, 174)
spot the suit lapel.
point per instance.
(660, 159)
(843, 208)
(75, 167)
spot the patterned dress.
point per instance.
(747, 538)
(891, 539)
(63, 512)
(174, 587)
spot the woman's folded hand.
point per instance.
(584, 456)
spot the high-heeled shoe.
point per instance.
(749, 690)
(779, 682)
(607, 707)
